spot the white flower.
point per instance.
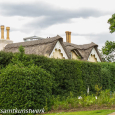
(95, 97)
(79, 97)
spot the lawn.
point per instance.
(96, 112)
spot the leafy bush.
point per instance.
(5, 58)
(91, 75)
(29, 81)
(69, 75)
(25, 87)
(106, 78)
(108, 75)
(105, 99)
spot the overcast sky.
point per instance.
(86, 19)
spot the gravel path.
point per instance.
(112, 113)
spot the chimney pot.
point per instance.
(7, 29)
(68, 36)
(2, 31)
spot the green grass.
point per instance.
(96, 112)
(70, 102)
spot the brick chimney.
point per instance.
(4, 42)
(7, 29)
(68, 36)
(2, 31)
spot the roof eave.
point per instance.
(61, 42)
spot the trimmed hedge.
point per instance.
(108, 75)
(29, 81)
(5, 58)
(25, 87)
(91, 76)
(70, 75)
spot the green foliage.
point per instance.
(70, 102)
(91, 75)
(109, 47)
(22, 50)
(94, 112)
(5, 58)
(70, 75)
(36, 82)
(111, 21)
(25, 87)
(108, 51)
(18, 57)
(67, 75)
(104, 98)
(21, 57)
(64, 71)
(98, 89)
(107, 76)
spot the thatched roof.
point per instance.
(38, 47)
(45, 47)
(83, 50)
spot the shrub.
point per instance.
(5, 58)
(108, 76)
(91, 75)
(25, 87)
(69, 75)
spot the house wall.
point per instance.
(4, 42)
(58, 52)
(74, 56)
(93, 57)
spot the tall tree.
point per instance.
(109, 51)
(111, 21)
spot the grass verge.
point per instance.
(96, 112)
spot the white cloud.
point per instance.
(18, 1)
(104, 5)
(89, 25)
(16, 22)
(80, 27)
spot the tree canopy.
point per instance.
(109, 51)
(111, 21)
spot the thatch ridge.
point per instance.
(38, 47)
(35, 42)
(45, 47)
(84, 50)
(84, 46)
